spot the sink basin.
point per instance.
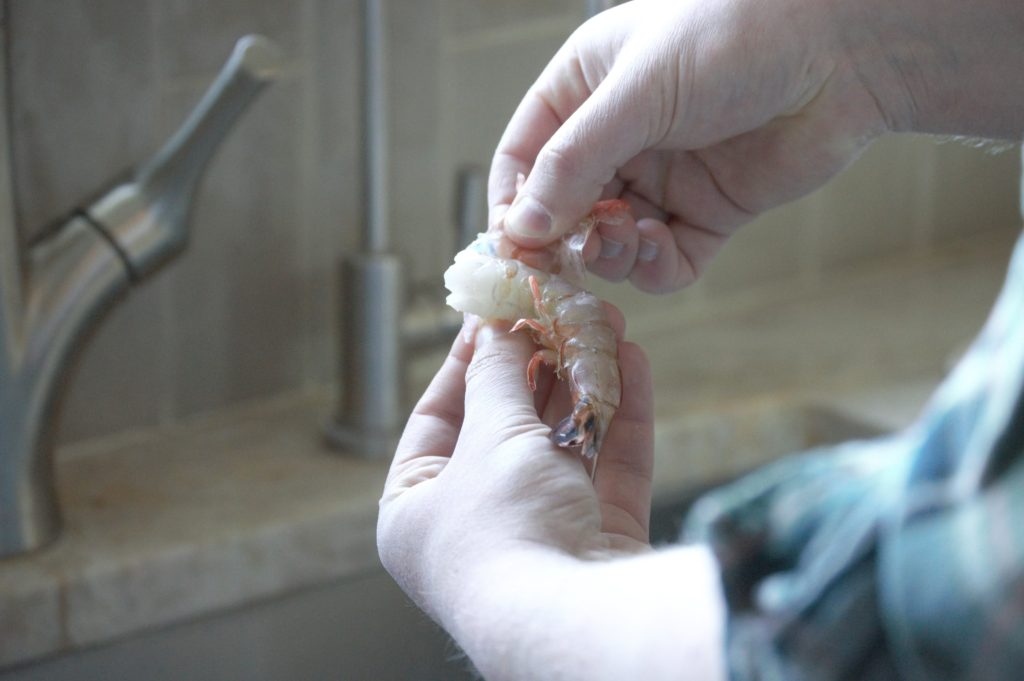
(360, 628)
(364, 628)
(716, 447)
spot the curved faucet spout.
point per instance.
(147, 217)
(78, 276)
(75, 275)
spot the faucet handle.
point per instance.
(257, 56)
(146, 218)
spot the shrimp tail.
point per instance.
(578, 428)
(543, 289)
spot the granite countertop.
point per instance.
(167, 525)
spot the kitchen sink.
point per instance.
(701, 451)
(365, 628)
(358, 628)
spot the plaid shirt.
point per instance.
(897, 558)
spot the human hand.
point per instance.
(476, 478)
(502, 538)
(700, 114)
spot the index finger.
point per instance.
(559, 90)
(433, 427)
(531, 126)
(625, 468)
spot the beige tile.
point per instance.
(974, 190)
(766, 250)
(467, 16)
(113, 600)
(236, 295)
(331, 195)
(83, 104)
(248, 310)
(641, 308)
(483, 86)
(335, 198)
(420, 216)
(195, 37)
(175, 523)
(871, 208)
(480, 89)
(30, 612)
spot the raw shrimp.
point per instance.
(542, 291)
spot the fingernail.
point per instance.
(527, 217)
(647, 251)
(611, 248)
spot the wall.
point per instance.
(249, 311)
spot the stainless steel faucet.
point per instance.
(52, 295)
(379, 330)
(383, 327)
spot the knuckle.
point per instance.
(387, 548)
(486, 363)
(561, 161)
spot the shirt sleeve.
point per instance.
(897, 558)
(796, 543)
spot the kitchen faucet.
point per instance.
(53, 294)
(380, 330)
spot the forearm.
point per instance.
(657, 615)
(940, 66)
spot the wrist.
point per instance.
(543, 614)
(938, 66)
(493, 609)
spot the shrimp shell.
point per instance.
(489, 280)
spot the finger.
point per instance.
(499, 403)
(626, 463)
(616, 320)
(613, 251)
(547, 385)
(680, 184)
(574, 127)
(646, 253)
(433, 427)
(581, 157)
(532, 124)
(671, 257)
(558, 405)
(560, 89)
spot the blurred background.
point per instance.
(250, 311)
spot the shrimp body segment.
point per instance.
(490, 280)
(572, 329)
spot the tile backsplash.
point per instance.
(249, 310)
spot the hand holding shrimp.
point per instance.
(476, 468)
(541, 291)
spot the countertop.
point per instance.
(171, 524)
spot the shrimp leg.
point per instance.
(543, 290)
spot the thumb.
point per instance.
(499, 402)
(581, 157)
